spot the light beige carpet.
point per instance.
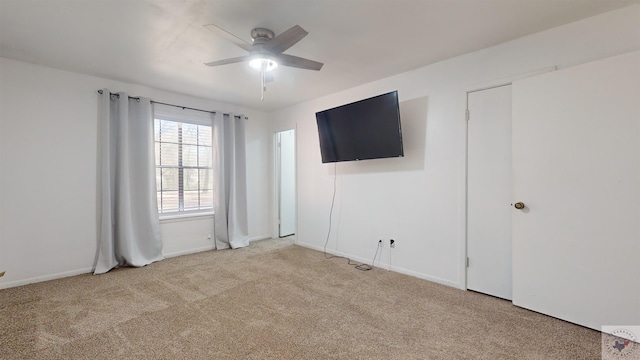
(272, 300)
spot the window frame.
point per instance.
(184, 116)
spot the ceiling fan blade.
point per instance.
(298, 62)
(229, 36)
(286, 40)
(228, 61)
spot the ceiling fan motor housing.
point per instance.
(261, 35)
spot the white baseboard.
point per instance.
(188, 251)
(378, 264)
(382, 265)
(38, 279)
(209, 247)
(65, 274)
(259, 237)
(434, 279)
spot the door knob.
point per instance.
(519, 205)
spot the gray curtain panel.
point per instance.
(230, 188)
(129, 227)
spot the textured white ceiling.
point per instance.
(163, 44)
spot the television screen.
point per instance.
(366, 129)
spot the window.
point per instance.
(184, 175)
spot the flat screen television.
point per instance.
(365, 129)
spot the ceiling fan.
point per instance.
(266, 50)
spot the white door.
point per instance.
(286, 167)
(489, 192)
(576, 167)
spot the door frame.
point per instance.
(462, 280)
(275, 193)
(467, 180)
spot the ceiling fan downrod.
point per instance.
(263, 71)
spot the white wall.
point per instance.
(419, 200)
(48, 154)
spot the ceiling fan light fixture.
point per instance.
(259, 62)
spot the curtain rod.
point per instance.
(178, 106)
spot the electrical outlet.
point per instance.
(209, 237)
(392, 243)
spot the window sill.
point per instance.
(164, 218)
